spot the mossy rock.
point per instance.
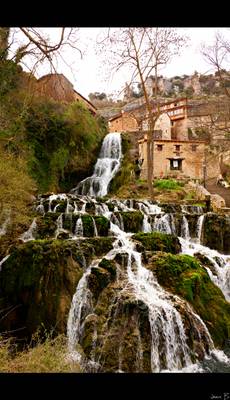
(157, 241)
(46, 225)
(39, 279)
(132, 220)
(111, 206)
(90, 207)
(88, 228)
(102, 224)
(127, 328)
(183, 275)
(96, 246)
(206, 262)
(216, 232)
(170, 208)
(101, 276)
(61, 205)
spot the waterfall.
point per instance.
(80, 299)
(95, 228)
(164, 224)
(29, 234)
(59, 223)
(146, 225)
(185, 228)
(105, 168)
(167, 329)
(199, 228)
(79, 227)
(3, 260)
(170, 318)
(220, 273)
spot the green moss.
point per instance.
(46, 225)
(216, 232)
(157, 241)
(88, 228)
(102, 224)
(132, 220)
(39, 279)
(183, 275)
(109, 266)
(98, 279)
(97, 246)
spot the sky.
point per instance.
(87, 74)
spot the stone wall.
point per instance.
(123, 123)
(192, 161)
(163, 123)
(217, 202)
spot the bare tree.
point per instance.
(37, 45)
(218, 56)
(141, 51)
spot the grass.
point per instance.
(49, 356)
(168, 184)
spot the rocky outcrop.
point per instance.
(216, 232)
(185, 276)
(38, 282)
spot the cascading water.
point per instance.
(79, 227)
(29, 234)
(167, 330)
(168, 336)
(105, 168)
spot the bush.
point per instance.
(60, 137)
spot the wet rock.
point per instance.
(156, 241)
(183, 275)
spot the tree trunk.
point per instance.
(150, 164)
(4, 36)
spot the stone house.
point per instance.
(124, 121)
(59, 88)
(174, 158)
(178, 149)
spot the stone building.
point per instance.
(59, 88)
(174, 158)
(124, 121)
(179, 146)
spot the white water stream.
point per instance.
(168, 334)
(105, 169)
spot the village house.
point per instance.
(176, 152)
(178, 144)
(59, 88)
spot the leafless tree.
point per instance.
(218, 56)
(37, 45)
(141, 51)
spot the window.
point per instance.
(177, 147)
(194, 147)
(159, 147)
(176, 164)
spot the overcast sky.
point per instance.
(87, 74)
